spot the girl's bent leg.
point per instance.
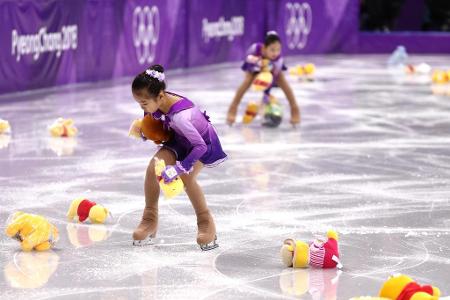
(149, 222)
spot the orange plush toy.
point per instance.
(149, 128)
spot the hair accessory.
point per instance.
(155, 74)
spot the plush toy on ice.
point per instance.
(273, 113)
(402, 287)
(149, 128)
(319, 254)
(4, 127)
(171, 189)
(81, 209)
(34, 232)
(440, 76)
(250, 112)
(5, 137)
(304, 71)
(271, 109)
(63, 128)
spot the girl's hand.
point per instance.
(295, 115)
(171, 172)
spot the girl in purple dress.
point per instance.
(193, 144)
(271, 50)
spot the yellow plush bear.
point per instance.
(306, 72)
(81, 209)
(251, 112)
(402, 287)
(172, 188)
(318, 254)
(264, 78)
(32, 231)
(63, 128)
(4, 126)
(440, 76)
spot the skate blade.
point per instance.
(146, 242)
(209, 246)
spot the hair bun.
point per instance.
(158, 68)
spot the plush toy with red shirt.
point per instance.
(82, 208)
(318, 254)
(63, 128)
(402, 287)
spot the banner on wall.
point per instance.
(54, 42)
(58, 42)
(222, 30)
(153, 32)
(313, 26)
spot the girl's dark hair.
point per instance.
(152, 85)
(271, 37)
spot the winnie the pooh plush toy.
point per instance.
(63, 128)
(34, 232)
(81, 209)
(172, 188)
(149, 128)
(264, 78)
(402, 287)
(304, 72)
(319, 254)
(4, 127)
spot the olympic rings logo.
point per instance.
(146, 24)
(298, 25)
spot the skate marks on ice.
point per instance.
(370, 159)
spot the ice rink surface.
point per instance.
(370, 159)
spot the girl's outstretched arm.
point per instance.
(295, 110)
(232, 110)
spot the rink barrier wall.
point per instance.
(51, 43)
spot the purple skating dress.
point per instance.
(194, 138)
(276, 66)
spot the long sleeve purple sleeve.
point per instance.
(184, 123)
